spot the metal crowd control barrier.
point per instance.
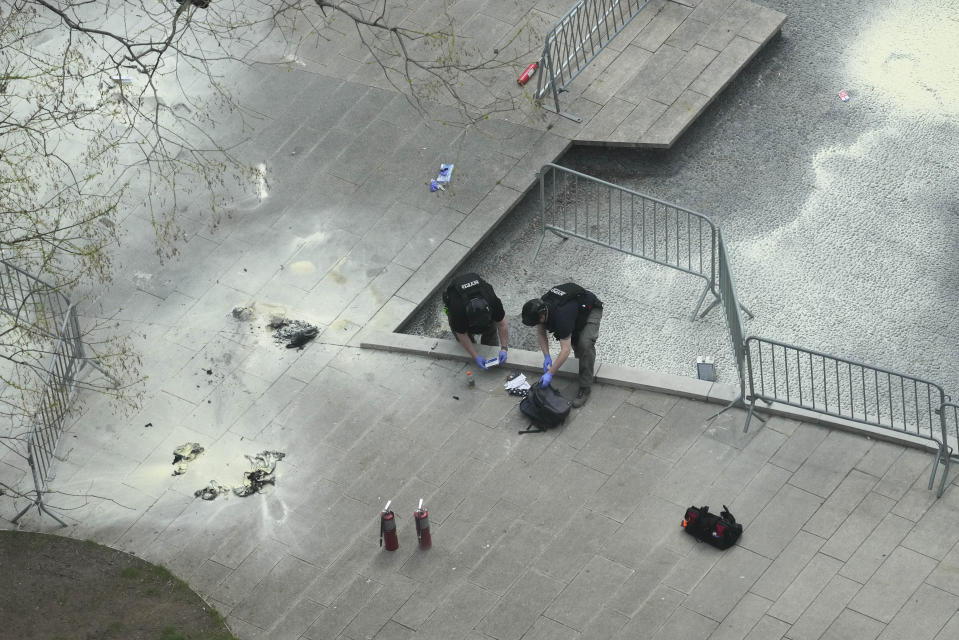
(949, 415)
(576, 39)
(727, 297)
(40, 307)
(37, 306)
(950, 421)
(799, 377)
(577, 205)
(734, 319)
(574, 204)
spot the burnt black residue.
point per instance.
(262, 474)
(183, 455)
(293, 333)
(211, 491)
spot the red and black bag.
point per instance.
(722, 531)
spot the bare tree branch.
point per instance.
(119, 106)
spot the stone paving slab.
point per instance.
(681, 58)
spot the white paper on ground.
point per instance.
(519, 382)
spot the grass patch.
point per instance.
(95, 592)
(169, 633)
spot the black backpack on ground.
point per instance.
(545, 407)
(722, 531)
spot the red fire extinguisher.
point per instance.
(422, 519)
(527, 73)
(388, 528)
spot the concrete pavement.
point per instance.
(566, 534)
(570, 533)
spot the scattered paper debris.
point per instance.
(262, 474)
(445, 174)
(211, 491)
(517, 384)
(844, 96)
(442, 178)
(184, 455)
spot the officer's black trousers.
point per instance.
(584, 348)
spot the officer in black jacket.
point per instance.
(473, 308)
(572, 314)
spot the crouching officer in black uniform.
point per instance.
(573, 315)
(473, 308)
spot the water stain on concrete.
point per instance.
(336, 276)
(302, 267)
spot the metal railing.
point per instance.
(949, 416)
(842, 388)
(37, 306)
(950, 421)
(41, 308)
(726, 289)
(576, 39)
(736, 330)
(574, 204)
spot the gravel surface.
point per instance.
(840, 217)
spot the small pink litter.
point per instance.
(844, 96)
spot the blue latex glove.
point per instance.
(502, 356)
(547, 363)
(546, 379)
(480, 362)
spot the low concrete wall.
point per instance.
(715, 392)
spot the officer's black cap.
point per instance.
(532, 311)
